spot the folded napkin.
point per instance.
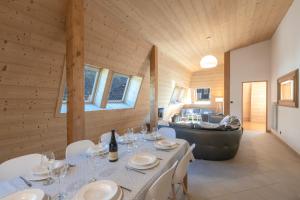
(96, 149)
(11, 186)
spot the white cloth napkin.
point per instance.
(10, 187)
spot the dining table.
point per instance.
(83, 169)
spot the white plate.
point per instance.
(143, 159)
(40, 170)
(153, 136)
(31, 176)
(99, 190)
(164, 147)
(166, 143)
(124, 140)
(28, 194)
(130, 165)
(97, 150)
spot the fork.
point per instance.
(25, 181)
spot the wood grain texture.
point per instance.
(32, 40)
(32, 58)
(209, 78)
(227, 83)
(170, 74)
(180, 28)
(154, 87)
(75, 70)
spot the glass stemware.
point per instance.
(144, 132)
(129, 139)
(92, 161)
(58, 171)
(47, 159)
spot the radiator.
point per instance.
(274, 122)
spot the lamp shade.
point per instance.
(209, 61)
(219, 99)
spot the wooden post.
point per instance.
(107, 89)
(75, 70)
(227, 83)
(154, 87)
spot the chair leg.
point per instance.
(173, 192)
(184, 189)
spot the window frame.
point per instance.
(92, 98)
(180, 95)
(202, 100)
(98, 74)
(125, 90)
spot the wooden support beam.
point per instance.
(227, 83)
(75, 70)
(107, 89)
(154, 87)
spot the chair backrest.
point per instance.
(183, 165)
(105, 137)
(161, 188)
(19, 166)
(167, 132)
(78, 147)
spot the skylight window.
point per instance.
(178, 96)
(118, 88)
(123, 90)
(90, 79)
(91, 76)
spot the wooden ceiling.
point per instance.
(180, 27)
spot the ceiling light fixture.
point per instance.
(208, 61)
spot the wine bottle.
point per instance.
(113, 148)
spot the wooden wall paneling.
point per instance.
(171, 73)
(227, 83)
(209, 78)
(154, 87)
(75, 70)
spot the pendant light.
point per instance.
(208, 61)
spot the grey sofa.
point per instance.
(211, 144)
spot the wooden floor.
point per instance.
(253, 126)
(264, 169)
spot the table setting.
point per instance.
(90, 175)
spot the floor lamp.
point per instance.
(219, 101)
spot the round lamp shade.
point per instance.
(209, 61)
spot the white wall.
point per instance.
(251, 63)
(285, 57)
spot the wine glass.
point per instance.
(92, 161)
(47, 159)
(155, 132)
(129, 139)
(58, 171)
(144, 132)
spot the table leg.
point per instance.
(185, 183)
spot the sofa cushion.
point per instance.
(209, 126)
(182, 124)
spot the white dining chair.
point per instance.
(181, 170)
(19, 166)
(161, 188)
(79, 147)
(105, 137)
(167, 132)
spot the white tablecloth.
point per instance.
(116, 171)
